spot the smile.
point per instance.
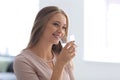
(57, 36)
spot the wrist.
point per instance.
(60, 62)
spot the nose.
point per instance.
(60, 30)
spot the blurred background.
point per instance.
(94, 23)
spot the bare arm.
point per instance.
(57, 71)
(67, 53)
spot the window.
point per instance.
(102, 30)
(16, 21)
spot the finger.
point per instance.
(69, 44)
(71, 49)
(75, 46)
(72, 55)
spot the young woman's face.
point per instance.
(55, 29)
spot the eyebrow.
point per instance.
(59, 22)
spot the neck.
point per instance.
(43, 50)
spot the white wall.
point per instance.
(83, 70)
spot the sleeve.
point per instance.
(23, 70)
(70, 68)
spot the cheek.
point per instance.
(50, 29)
(63, 34)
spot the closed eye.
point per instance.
(56, 24)
(64, 27)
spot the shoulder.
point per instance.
(25, 62)
(20, 59)
(23, 67)
(28, 58)
(24, 58)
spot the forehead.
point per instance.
(59, 17)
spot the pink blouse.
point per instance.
(28, 66)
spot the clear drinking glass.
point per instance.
(70, 38)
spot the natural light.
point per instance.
(16, 21)
(101, 31)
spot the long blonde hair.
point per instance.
(40, 22)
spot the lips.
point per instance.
(57, 36)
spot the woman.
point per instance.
(44, 58)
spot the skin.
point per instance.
(55, 30)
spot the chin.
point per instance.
(56, 42)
